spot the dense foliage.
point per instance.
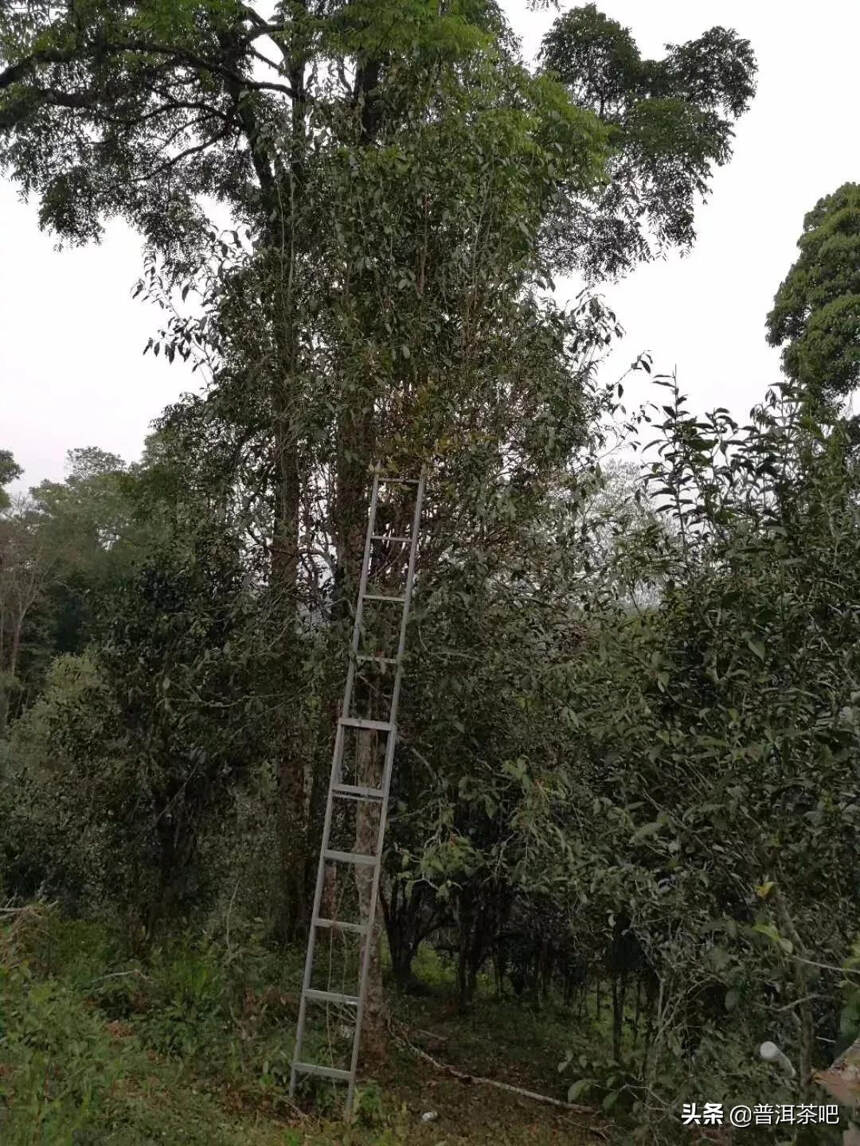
(627, 764)
(816, 314)
(403, 181)
(648, 785)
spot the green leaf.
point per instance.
(757, 647)
(647, 830)
(771, 932)
(580, 1087)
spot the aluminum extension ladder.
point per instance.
(375, 543)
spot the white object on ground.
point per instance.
(770, 1052)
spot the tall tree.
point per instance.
(89, 534)
(408, 188)
(9, 472)
(816, 313)
(153, 711)
(21, 579)
(24, 570)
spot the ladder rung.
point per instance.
(331, 997)
(357, 792)
(389, 537)
(403, 481)
(322, 1071)
(351, 857)
(341, 925)
(382, 597)
(359, 722)
(379, 660)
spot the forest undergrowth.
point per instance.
(192, 1044)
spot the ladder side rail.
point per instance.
(334, 776)
(371, 915)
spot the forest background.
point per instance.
(628, 759)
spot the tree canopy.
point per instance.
(816, 313)
(627, 740)
(9, 471)
(140, 111)
(670, 122)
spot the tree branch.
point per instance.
(182, 155)
(183, 55)
(463, 1076)
(17, 72)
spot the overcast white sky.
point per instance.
(71, 369)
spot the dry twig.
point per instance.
(464, 1076)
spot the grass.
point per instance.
(193, 1046)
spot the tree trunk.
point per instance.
(619, 990)
(637, 1011)
(396, 913)
(295, 863)
(16, 646)
(409, 919)
(806, 1037)
(476, 931)
(292, 804)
